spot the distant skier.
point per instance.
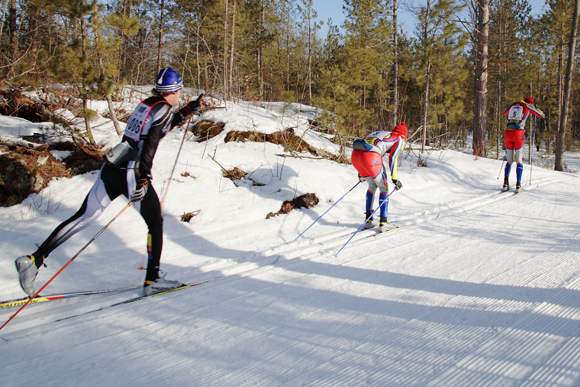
(514, 137)
(367, 158)
(127, 172)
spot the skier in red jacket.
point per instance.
(514, 137)
(367, 158)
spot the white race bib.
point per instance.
(516, 113)
(135, 123)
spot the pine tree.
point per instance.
(438, 48)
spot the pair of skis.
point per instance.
(63, 296)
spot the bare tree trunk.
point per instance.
(232, 45)
(3, 16)
(113, 115)
(288, 61)
(499, 85)
(426, 105)
(559, 148)
(260, 50)
(225, 69)
(309, 54)
(197, 57)
(497, 114)
(107, 95)
(548, 125)
(530, 137)
(395, 118)
(481, 73)
(559, 164)
(160, 44)
(123, 45)
(83, 83)
(13, 39)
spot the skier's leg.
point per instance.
(519, 142)
(520, 166)
(368, 164)
(150, 210)
(381, 182)
(509, 144)
(94, 204)
(370, 196)
(371, 191)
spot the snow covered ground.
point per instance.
(475, 288)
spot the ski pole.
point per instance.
(175, 163)
(504, 159)
(361, 226)
(326, 211)
(532, 155)
(68, 263)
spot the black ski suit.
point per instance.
(150, 122)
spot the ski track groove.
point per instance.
(539, 275)
(522, 343)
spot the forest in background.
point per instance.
(454, 75)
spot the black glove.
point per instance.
(361, 178)
(398, 184)
(191, 107)
(140, 190)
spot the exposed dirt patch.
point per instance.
(206, 129)
(84, 158)
(307, 200)
(286, 138)
(291, 142)
(24, 171)
(14, 103)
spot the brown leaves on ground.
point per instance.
(307, 200)
(421, 162)
(186, 217)
(234, 174)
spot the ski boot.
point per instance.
(383, 225)
(27, 272)
(369, 223)
(518, 186)
(160, 285)
(506, 185)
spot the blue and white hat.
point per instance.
(168, 80)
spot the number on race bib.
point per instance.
(135, 124)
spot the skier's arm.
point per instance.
(394, 157)
(535, 111)
(150, 143)
(189, 109)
